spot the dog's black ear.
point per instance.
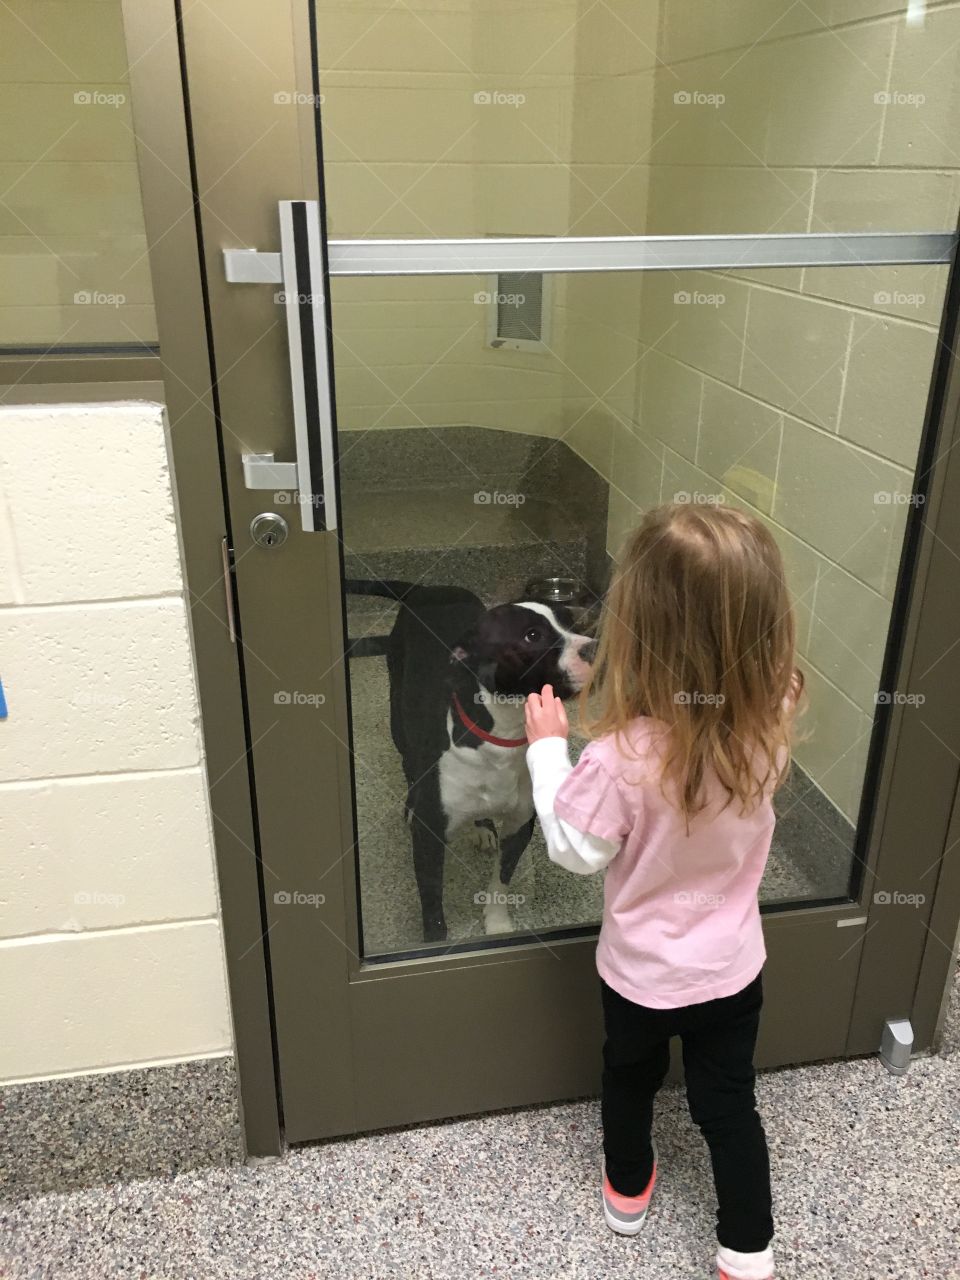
(465, 647)
(460, 673)
(471, 656)
(468, 656)
(464, 682)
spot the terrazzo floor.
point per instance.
(865, 1171)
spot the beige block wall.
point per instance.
(412, 352)
(598, 316)
(799, 394)
(110, 943)
(73, 263)
(443, 119)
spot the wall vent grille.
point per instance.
(518, 310)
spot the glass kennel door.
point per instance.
(498, 431)
(569, 264)
(515, 473)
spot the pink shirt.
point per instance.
(681, 921)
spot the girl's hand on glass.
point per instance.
(546, 716)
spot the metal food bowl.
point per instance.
(555, 590)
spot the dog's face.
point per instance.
(515, 649)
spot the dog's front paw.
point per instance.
(485, 838)
(496, 913)
(497, 920)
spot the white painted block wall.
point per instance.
(110, 940)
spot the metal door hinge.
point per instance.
(896, 1045)
(226, 556)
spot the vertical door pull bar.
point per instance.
(305, 303)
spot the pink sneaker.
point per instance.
(744, 1266)
(626, 1214)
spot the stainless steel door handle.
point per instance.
(300, 267)
(262, 471)
(302, 258)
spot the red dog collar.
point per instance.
(482, 733)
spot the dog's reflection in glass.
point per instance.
(459, 676)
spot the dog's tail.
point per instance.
(392, 588)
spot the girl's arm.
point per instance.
(574, 850)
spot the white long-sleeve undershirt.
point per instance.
(549, 763)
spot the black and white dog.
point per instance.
(459, 678)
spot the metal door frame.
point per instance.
(186, 282)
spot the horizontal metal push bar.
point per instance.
(636, 253)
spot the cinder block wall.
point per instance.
(598, 316)
(800, 394)
(422, 139)
(110, 946)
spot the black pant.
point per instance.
(718, 1039)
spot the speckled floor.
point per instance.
(865, 1175)
(84, 1131)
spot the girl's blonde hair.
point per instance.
(698, 632)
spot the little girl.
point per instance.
(695, 688)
